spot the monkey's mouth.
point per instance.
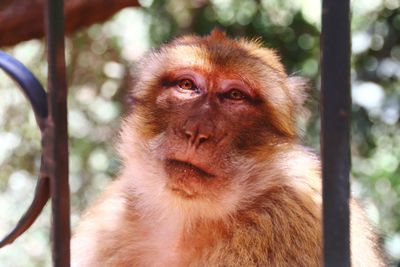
(185, 168)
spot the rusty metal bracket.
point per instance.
(51, 116)
(36, 95)
(56, 133)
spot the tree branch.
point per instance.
(21, 20)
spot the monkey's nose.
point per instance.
(195, 137)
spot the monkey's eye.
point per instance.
(186, 84)
(235, 94)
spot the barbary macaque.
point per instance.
(213, 172)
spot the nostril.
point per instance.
(195, 133)
(202, 139)
(188, 134)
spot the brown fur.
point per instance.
(209, 179)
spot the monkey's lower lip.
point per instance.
(187, 167)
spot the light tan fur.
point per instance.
(266, 213)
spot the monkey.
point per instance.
(213, 171)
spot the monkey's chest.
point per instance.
(169, 246)
(162, 247)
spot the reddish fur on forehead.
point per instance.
(267, 55)
(253, 47)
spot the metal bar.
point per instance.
(335, 120)
(56, 133)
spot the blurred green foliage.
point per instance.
(98, 62)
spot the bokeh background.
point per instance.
(99, 59)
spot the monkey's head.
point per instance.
(207, 112)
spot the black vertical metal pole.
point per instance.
(56, 133)
(335, 106)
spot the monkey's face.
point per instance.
(209, 118)
(204, 105)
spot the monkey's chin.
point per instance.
(186, 179)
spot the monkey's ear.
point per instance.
(298, 90)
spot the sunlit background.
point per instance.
(98, 62)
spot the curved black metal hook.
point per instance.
(31, 87)
(36, 95)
